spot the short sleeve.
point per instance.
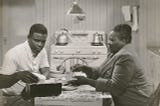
(44, 59)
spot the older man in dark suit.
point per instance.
(121, 74)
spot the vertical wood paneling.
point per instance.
(5, 26)
(0, 17)
(58, 8)
(101, 15)
(56, 18)
(143, 32)
(39, 11)
(1, 37)
(151, 23)
(150, 35)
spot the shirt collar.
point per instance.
(28, 49)
(129, 48)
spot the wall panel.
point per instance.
(150, 21)
(1, 37)
(150, 36)
(101, 15)
(19, 15)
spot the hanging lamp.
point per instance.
(75, 10)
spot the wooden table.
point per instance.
(83, 96)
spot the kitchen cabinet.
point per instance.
(78, 50)
(67, 56)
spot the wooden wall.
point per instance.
(149, 36)
(16, 16)
(151, 23)
(1, 32)
(53, 14)
(100, 15)
(19, 15)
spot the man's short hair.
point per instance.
(124, 32)
(38, 28)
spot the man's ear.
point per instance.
(124, 41)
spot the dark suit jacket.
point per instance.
(123, 76)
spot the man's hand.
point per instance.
(87, 70)
(80, 80)
(26, 77)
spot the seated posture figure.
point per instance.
(121, 74)
(21, 62)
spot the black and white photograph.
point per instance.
(79, 53)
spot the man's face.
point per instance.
(37, 42)
(114, 44)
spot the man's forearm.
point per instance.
(7, 80)
(95, 73)
(91, 82)
(45, 71)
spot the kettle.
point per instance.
(97, 39)
(62, 38)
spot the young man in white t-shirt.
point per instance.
(21, 62)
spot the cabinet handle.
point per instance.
(59, 58)
(90, 58)
(86, 58)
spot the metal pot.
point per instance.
(97, 39)
(62, 39)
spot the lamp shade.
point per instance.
(75, 10)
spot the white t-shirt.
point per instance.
(20, 58)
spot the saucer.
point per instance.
(68, 88)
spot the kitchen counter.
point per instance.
(84, 95)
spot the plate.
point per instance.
(68, 88)
(79, 74)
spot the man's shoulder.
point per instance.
(128, 50)
(43, 51)
(124, 53)
(16, 49)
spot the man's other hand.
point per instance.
(26, 77)
(80, 80)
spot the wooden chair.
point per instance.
(67, 63)
(155, 97)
